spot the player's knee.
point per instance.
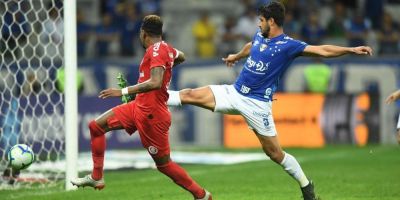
(162, 161)
(276, 157)
(275, 154)
(163, 166)
(95, 129)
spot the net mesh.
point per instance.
(31, 55)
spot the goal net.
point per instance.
(32, 107)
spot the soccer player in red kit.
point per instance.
(148, 113)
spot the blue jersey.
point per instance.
(268, 60)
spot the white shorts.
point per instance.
(398, 123)
(258, 114)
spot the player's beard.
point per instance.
(265, 32)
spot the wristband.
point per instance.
(125, 91)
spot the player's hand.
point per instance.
(363, 50)
(110, 92)
(390, 99)
(231, 60)
(393, 97)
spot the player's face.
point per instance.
(264, 26)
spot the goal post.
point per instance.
(37, 40)
(71, 102)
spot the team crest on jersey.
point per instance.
(263, 47)
(153, 150)
(171, 55)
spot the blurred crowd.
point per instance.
(36, 28)
(119, 26)
(349, 23)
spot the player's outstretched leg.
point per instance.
(174, 98)
(181, 178)
(272, 148)
(292, 167)
(202, 97)
(89, 181)
(207, 196)
(308, 192)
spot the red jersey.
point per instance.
(159, 54)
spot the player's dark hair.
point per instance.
(275, 10)
(152, 25)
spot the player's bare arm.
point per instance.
(393, 97)
(232, 59)
(154, 83)
(329, 51)
(180, 59)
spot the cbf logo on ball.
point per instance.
(153, 150)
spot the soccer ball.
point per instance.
(20, 156)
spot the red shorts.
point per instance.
(152, 127)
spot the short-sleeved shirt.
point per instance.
(268, 60)
(155, 101)
(148, 113)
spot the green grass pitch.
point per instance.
(339, 173)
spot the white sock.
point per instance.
(174, 99)
(292, 167)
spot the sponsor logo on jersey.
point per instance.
(288, 38)
(257, 66)
(153, 150)
(244, 89)
(281, 42)
(156, 47)
(268, 92)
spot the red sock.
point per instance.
(180, 177)
(98, 145)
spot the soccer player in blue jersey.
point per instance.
(268, 56)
